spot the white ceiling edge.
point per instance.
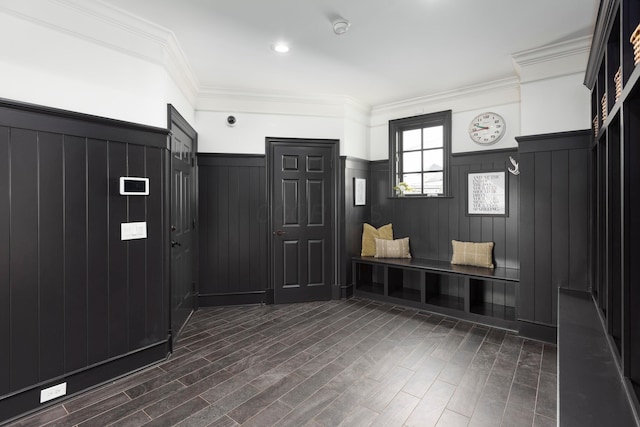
(105, 25)
(554, 60)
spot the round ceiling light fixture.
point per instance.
(280, 47)
(341, 26)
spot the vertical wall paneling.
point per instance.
(75, 250)
(233, 229)
(578, 239)
(24, 259)
(560, 219)
(554, 228)
(118, 261)
(354, 216)
(544, 233)
(137, 252)
(5, 261)
(51, 272)
(77, 304)
(98, 246)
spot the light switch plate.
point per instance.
(133, 230)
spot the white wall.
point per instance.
(260, 116)
(45, 66)
(555, 105)
(498, 97)
(249, 133)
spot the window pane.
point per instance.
(433, 160)
(414, 181)
(433, 183)
(411, 140)
(433, 137)
(412, 162)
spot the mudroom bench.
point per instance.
(477, 294)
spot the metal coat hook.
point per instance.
(516, 166)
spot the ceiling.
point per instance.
(394, 50)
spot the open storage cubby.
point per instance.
(369, 278)
(472, 293)
(405, 284)
(615, 201)
(492, 298)
(445, 291)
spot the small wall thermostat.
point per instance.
(131, 186)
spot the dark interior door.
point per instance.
(302, 221)
(183, 221)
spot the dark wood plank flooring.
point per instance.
(335, 363)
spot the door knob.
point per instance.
(279, 233)
(174, 243)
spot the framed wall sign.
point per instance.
(359, 191)
(487, 193)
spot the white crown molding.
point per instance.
(333, 106)
(497, 92)
(554, 60)
(105, 25)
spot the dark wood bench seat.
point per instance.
(478, 294)
(445, 267)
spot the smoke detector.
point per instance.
(341, 26)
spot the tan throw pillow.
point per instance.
(398, 248)
(370, 233)
(470, 253)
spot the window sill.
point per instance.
(444, 196)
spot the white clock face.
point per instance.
(487, 128)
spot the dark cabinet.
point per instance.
(614, 80)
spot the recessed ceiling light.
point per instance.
(280, 47)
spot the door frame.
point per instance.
(174, 117)
(334, 144)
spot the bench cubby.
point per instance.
(472, 293)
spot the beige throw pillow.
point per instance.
(398, 248)
(370, 233)
(470, 253)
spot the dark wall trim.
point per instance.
(22, 403)
(47, 119)
(237, 160)
(604, 23)
(471, 157)
(489, 152)
(572, 140)
(237, 298)
(537, 331)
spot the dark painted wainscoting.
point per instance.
(431, 223)
(77, 304)
(554, 226)
(233, 229)
(353, 218)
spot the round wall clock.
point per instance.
(487, 128)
